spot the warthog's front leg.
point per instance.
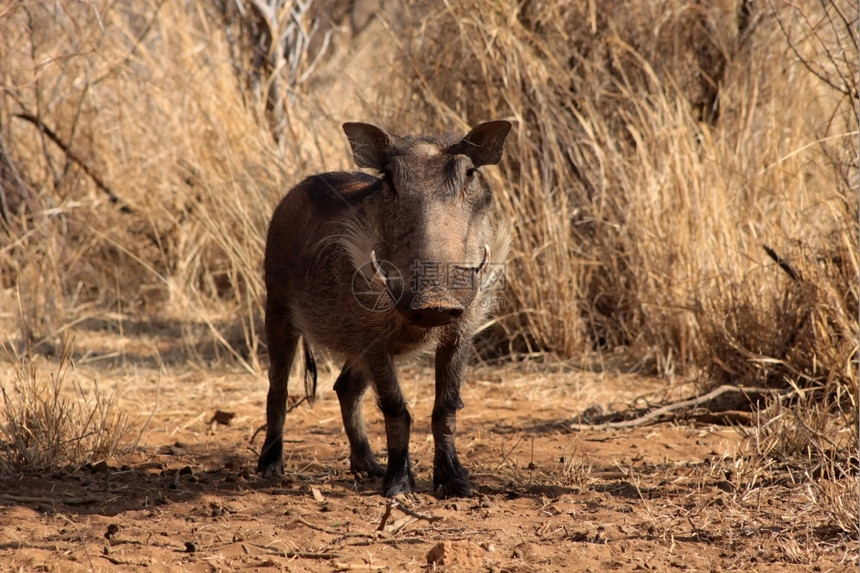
(350, 388)
(282, 339)
(448, 473)
(398, 476)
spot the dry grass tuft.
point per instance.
(808, 438)
(48, 423)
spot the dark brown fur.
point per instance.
(430, 204)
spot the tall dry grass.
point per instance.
(659, 149)
(662, 149)
(139, 171)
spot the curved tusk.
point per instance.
(377, 268)
(485, 261)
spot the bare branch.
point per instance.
(74, 157)
(654, 415)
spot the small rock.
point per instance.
(190, 547)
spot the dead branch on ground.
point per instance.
(675, 408)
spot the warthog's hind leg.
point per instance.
(282, 338)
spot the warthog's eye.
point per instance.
(471, 172)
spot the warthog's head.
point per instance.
(430, 238)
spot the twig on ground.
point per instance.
(331, 531)
(154, 405)
(116, 561)
(65, 501)
(415, 514)
(357, 567)
(735, 417)
(399, 524)
(395, 504)
(654, 415)
(269, 550)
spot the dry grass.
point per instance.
(150, 102)
(141, 162)
(52, 421)
(650, 169)
(811, 440)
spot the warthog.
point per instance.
(372, 267)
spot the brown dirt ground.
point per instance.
(657, 498)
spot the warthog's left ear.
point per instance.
(370, 145)
(485, 143)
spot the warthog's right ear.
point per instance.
(370, 145)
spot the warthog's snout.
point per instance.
(438, 314)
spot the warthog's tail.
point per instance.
(310, 373)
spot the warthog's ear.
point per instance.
(370, 145)
(485, 143)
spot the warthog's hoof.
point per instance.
(450, 478)
(455, 489)
(398, 483)
(271, 470)
(271, 463)
(366, 468)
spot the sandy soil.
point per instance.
(657, 498)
